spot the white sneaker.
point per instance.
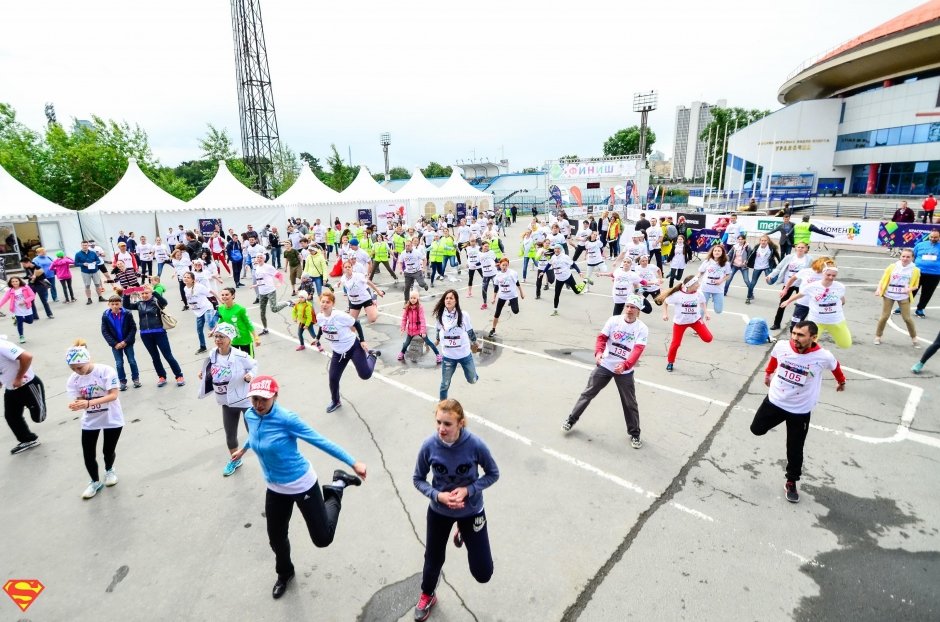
(110, 478)
(92, 490)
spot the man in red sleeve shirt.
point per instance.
(794, 375)
(616, 352)
(929, 205)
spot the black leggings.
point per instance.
(67, 289)
(560, 285)
(476, 538)
(321, 518)
(549, 278)
(778, 316)
(931, 350)
(471, 272)
(90, 441)
(769, 416)
(675, 274)
(364, 363)
(500, 303)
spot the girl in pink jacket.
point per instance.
(414, 325)
(62, 266)
(20, 299)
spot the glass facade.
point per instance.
(899, 178)
(888, 137)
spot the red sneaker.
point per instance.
(423, 608)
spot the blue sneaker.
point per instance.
(231, 466)
(920, 313)
(918, 367)
(668, 366)
(333, 407)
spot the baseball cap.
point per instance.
(263, 386)
(354, 242)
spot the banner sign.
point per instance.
(903, 235)
(567, 171)
(693, 220)
(703, 239)
(209, 225)
(461, 211)
(556, 194)
(792, 180)
(364, 216)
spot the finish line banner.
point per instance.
(903, 235)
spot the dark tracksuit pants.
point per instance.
(769, 416)
(476, 539)
(31, 396)
(320, 512)
(600, 378)
(364, 363)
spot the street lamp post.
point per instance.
(385, 139)
(644, 103)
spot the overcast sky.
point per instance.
(526, 80)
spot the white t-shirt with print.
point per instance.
(197, 297)
(622, 337)
(9, 365)
(712, 273)
(506, 283)
(455, 340)
(798, 378)
(561, 266)
(625, 284)
(337, 330)
(595, 252)
(97, 383)
(685, 306)
(825, 303)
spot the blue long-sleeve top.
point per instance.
(927, 257)
(274, 438)
(455, 466)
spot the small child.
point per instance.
(414, 325)
(305, 317)
(127, 278)
(307, 286)
(63, 273)
(158, 287)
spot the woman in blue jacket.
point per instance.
(456, 493)
(272, 433)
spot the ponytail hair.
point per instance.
(820, 263)
(672, 290)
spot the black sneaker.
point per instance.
(458, 538)
(375, 353)
(346, 478)
(280, 586)
(492, 333)
(333, 407)
(567, 425)
(775, 327)
(792, 495)
(201, 350)
(89, 302)
(24, 446)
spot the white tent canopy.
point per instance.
(131, 205)
(227, 199)
(457, 190)
(58, 227)
(421, 196)
(364, 193)
(309, 197)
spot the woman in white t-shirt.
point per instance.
(712, 274)
(897, 286)
(826, 299)
(762, 260)
(197, 301)
(679, 256)
(595, 259)
(625, 283)
(94, 391)
(507, 285)
(226, 373)
(181, 265)
(488, 270)
(343, 334)
(19, 298)
(456, 339)
(651, 280)
(689, 311)
(562, 266)
(357, 287)
(788, 268)
(161, 255)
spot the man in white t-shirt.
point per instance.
(616, 352)
(794, 375)
(24, 389)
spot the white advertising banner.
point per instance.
(571, 171)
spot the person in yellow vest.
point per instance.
(398, 243)
(528, 250)
(436, 251)
(495, 245)
(365, 240)
(331, 240)
(803, 231)
(450, 252)
(380, 257)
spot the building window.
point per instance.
(888, 137)
(905, 178)
(842, 114)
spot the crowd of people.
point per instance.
(313, 267)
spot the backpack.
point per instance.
(672, 233)
(757, 332)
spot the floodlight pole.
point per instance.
(385, 139)
(644, 103)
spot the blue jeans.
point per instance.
(157, 344)
(52, 290)
(755, 275)
(735, 270)
(276, 256)
(449, 366)
(200, 329)
(119, 355)
(718, 301)
(318, 283)
(525, 265)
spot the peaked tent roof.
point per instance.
(226, 192)
(457, 186)
(307, 189)
(364, 188)
(18, 200)
(418, 187)
(135, 193)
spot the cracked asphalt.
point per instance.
(692, 526)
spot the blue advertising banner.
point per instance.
(461, 211)
(703, 239)
(628, 192)
(650, 193)
(365, 217)
(903, 235)
(556, 194)
(208, 225)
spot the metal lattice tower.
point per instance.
(260, 142)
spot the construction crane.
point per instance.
(261, 145)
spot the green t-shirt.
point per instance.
(237, 316)
(292, 257)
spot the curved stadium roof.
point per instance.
(909, 43)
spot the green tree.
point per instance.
(569, 158)
(314, 164)
(217, 145)
(433, 169)
(725, 121)
(286, 170)
(399, 172)
(340, 174)
(22, 151)
(627, 142)
(166, 178)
